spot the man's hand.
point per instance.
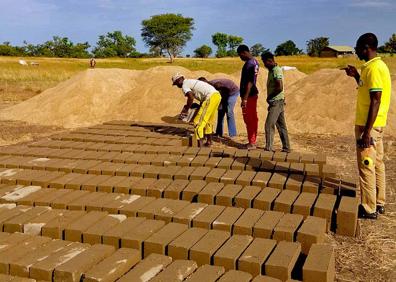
(243, 103)
(366, 140)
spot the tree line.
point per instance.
(165, 35)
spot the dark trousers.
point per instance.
(276, 117)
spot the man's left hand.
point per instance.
(366, 140)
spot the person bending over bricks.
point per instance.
(276, 104)
(249, 93)
(374, 95)
(229, 94)
(210, 100)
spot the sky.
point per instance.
(269, 22)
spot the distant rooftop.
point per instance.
(341, 48)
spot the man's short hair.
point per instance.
(243, 48)
(267, 55)
(368, 39)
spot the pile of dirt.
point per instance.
(323, 102)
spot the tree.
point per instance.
(203, 52)
(316, 45)
(168, 32)
(257, 49)
(389, 46)
(114, 44)
(287, 48)
(233, 43)
(221, 41)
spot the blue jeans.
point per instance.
(227, 107)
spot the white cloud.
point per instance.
(372, 3)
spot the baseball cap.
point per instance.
(176, 77)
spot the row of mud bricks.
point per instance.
(124, 185)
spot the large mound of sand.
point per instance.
(319, 103)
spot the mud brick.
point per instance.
(93, 235)
(324, 208)
(208, 216)
(83, 166)
(141, 187)
(140, 170)
(246, 178)
(347, 214)
(310, 186)
(135, 204)
(133, 158)
(82, 202)
(184, 172)
(44, 269)
(150, 209)
(175, 189)
(312, 231)
(168, 209)
(26, 177)
(244, 225)
(320, 264)
(16, 224)
(232, 249)
(126, 170)
(159, 160)
(19, 251)
(113, 236)
(93, 183)
(180, 246)
(177, 271)
(282, 167)
(185, 160)
(297, 168)
(200, 173)
(204, 152)
(18, 195)
(135, 238)
(261, 179)
(286, 228)
(244, 199)
(254, 153)
(74, 268)
(253, 258)
(279, 156)
(21, 267)
(152, 172)
(283, 259)
(31, 194)
(213, 162)
(147, 268)
(8, 176)
(8, 189)
(240, 163)
(158, 187)
(312, 169)
(192, 189)
(205, 248)
(106, 168)
(11, 242)
(293, 157)
(266, 198)
(226, 220)
(48, 199)
(62, 202)
(328, 171)
(226, 196)
(108, 157)
(62, 165)
(168, 172)
(277, 181)
(285, 200)
(114, 203)
(74, 231)
(199, 161)
(158, 242)
(235, 275)
(215, 174)
(347, 190)
(253, 164)
(320, 159)
(76, 183)
(187, 214)
(304, 204)
(228, 152)
(114, 266)
(10, 213)
(294, 183)
(125, 186)
(34, 226)
(225, 163)
(307, 158)
(266, 224)
(45, 178)
(109, 184)
(209, 273)
(191, 151)
(241, 153)
(230, 176)
(68, 153)
(91, 155)
(207, 195)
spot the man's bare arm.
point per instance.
(190, 100)
(245, 95)
(375, 102)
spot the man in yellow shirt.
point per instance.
(372, 108)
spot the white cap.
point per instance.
(176, 77)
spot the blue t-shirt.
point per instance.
(249, 74)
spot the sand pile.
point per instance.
(95, 96)
(323, 102)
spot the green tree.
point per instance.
(167, 32)
(287, 48)
(316, 45)
(203, 52)
(389, 46)
(257, 49)
(6, 49)
(221, 41)
(114, 44)
(233, 42)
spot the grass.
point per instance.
(20, 82)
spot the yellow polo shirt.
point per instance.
(374, 77)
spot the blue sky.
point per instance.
(269, 22)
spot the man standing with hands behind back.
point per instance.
(372, 107)
(249, 93)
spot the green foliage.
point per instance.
(316, 45)
(167, 32)
(257, 49)
(287, 48)
(7, 50)
(233, 43)
(114, 44)
(389, 46)
(222, 40)
(203, 52)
